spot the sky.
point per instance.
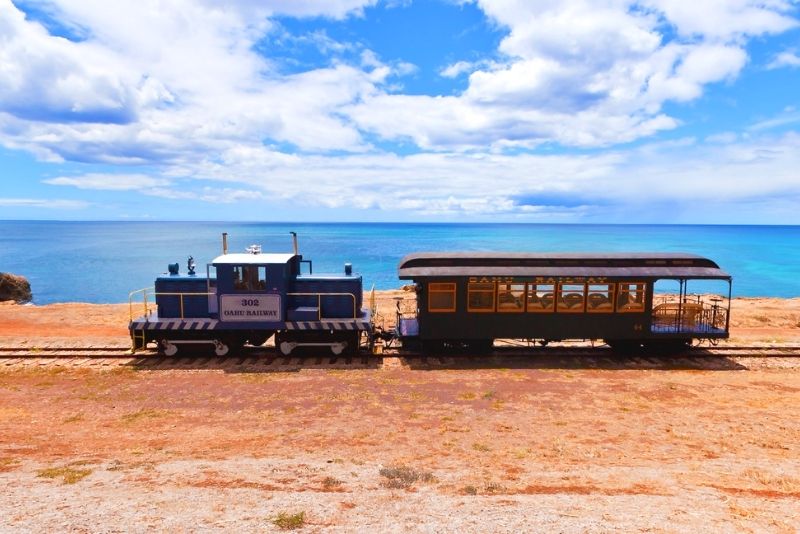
(556, 111)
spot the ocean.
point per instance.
(101, 262)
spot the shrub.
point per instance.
(287, 521)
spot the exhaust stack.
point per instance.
(224, 242)
(294, 242)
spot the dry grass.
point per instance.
(403, 477)
(287, 521)
(740, 511)
(8, 464)
(68, 474)
(331, 483)
(469, 490)
(493, 487)
(74, 418)
(143, 414)
(782, 483)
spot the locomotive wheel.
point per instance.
(257, 338)
(286, 347)
(353, 343)
(167, 348)
(257, 341)
(220, 348)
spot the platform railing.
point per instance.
(690, 314)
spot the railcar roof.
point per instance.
(571, 264)
(252, 259)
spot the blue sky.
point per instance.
(656, 111)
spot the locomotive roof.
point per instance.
(252, 259)
(572, 264)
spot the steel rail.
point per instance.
(500, 351)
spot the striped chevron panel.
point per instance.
(337, 324)
(211, 324)
(176, 324)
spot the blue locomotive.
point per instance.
(249, 297)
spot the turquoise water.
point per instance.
(102, 261)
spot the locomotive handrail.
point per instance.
(319, 301)
(144, 291)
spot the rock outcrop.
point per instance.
(16, 288)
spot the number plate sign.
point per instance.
(250, 308)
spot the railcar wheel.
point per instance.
(338, 347)
(480, 346)
(667, 347)
(624, 347)
(286, 347)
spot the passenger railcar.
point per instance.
(248, 298)
(467, 300)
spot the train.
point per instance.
(462, 302)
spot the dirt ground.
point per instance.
(578, 448)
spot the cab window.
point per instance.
(600, 298)
(630, 297)
(570, 298)
(441, 297)
(510, 297)
(249, 277)
(480, 297)
(541, 298)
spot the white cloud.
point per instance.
(726, 19)
(580, 73)
(457, 69)
(109, 182)
(161, 83)
(56, 204)
(179, 86)
(787, 58)
(790, 115)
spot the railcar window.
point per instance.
(571, 298)
(510, 297)
(480, 297)
(441, 297)
(630, 297)
(600, 298)
(540, 298)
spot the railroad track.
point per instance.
(266, 358)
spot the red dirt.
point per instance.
(568, 449)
